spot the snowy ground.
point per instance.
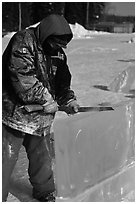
(95, 60)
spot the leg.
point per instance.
(40, 164)
(11, 144)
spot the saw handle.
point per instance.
(50, 108)
(33, 108)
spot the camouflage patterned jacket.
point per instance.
(27, 74)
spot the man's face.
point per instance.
(57, 43)
(52, 45)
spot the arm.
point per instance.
(62, 83)
(23, 72)
(64, 95)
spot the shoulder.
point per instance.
(24, 38)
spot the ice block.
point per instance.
(94, 154)
(124, 82)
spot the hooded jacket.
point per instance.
(29, 76)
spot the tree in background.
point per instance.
(85, 13)
(75, 12)
(40, 10)
(96, 10)
(10, 15)
(33, 12)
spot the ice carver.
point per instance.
(35, 71)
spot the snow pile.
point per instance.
(79, 31)
(9, 35)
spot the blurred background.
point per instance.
(98, 16)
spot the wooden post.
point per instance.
(87, 14)
(20, 16)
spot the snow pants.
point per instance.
(40, 152)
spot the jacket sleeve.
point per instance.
(23, 72)
(64, 93)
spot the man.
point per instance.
(35, 72)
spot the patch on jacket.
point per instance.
(59, 56)
(24, 50)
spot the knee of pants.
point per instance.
(11, 143)
(39, 145)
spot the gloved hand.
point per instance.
(72, 107)
(50, 107)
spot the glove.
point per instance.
(47, 96)
(50, 107)
(72, 107)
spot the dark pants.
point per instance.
(39, 151)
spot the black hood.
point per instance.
(53, 25)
